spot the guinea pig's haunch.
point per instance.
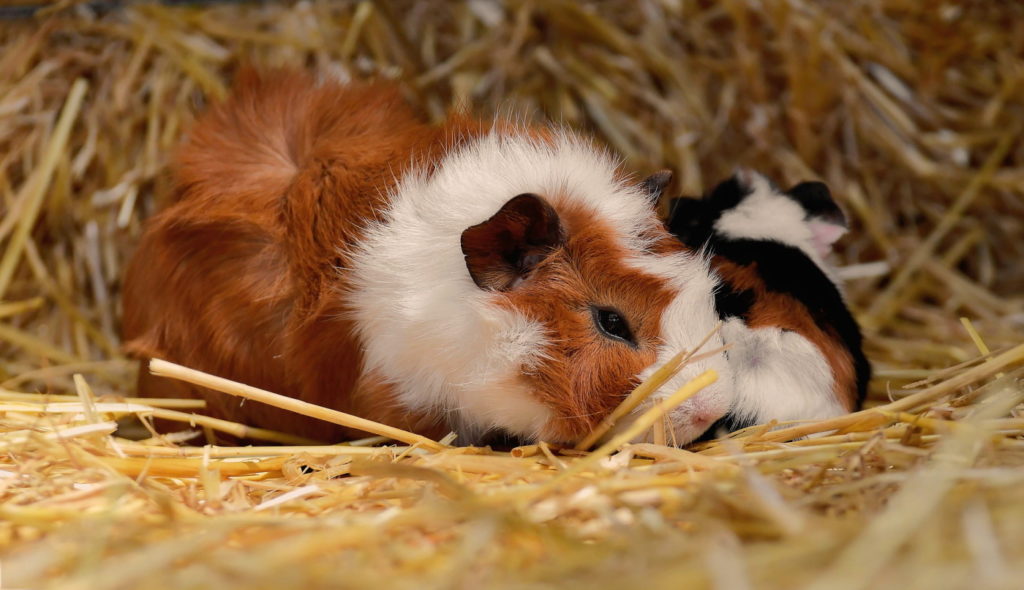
(796, 349)
(326, 243)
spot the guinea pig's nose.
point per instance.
(719, 428)
(703, 419)
(707, 422)
(500, 439)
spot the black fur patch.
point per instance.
(731, 303)
(689, 220)
(727, 195)
(693, 220)
(501, 440)
(817, 201)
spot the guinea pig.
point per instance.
(795, 349)
(324, 242)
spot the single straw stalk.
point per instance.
(155, 402)
(90, 409)
(141, 450)
(38, 184)
(188, 467)
(163, 368)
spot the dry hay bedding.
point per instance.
(910, 112)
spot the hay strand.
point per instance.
(163, 368)
(35, 189)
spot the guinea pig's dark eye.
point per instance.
(612, 324)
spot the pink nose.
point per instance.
(703, 419)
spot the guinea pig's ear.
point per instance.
(687, 220)
(501, 251)
(824, 218)
(655, 184)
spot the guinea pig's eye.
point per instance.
(612, 324)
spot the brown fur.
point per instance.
(235, 278)
(589, 375)
(240, 277)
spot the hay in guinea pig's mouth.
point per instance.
(917, 139)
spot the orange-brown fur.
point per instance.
(585, 379)
(235, 277)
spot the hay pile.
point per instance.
(911, 112)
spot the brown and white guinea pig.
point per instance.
(326, 243)
(795, 348)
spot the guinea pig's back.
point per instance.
(211, 265)
(268, 189)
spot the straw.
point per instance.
(163, 368)
(35, 188)
(658, 378)
(909, 112)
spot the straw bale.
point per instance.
(911, 112)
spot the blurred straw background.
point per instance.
(912, 113)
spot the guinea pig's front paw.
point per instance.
(778, 375)
(749, 348)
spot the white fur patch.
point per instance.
(425, 325)
(766, 214)
(684, 323)
(778, 375)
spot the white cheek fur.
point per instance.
(685, 322)
(425, 326)
(778, 375)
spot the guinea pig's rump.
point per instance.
(327, 244)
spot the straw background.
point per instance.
(912, 112)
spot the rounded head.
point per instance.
(524, 286)
(748, 206)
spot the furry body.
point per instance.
(327, 244)
(796, 349)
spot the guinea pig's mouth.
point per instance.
(726, 424)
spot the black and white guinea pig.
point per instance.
(795, 348)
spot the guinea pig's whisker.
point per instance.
(707, 354)
(576, 416)
(704, 341)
